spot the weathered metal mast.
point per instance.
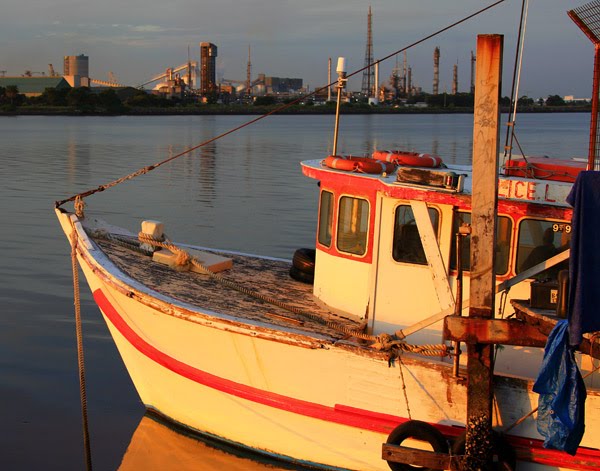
(368, 80)
(587, 17)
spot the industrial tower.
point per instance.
(436, 71)
(249, 75)
(455, 79)
(368, 80)
(208, 68)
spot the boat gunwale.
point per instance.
(109, 273)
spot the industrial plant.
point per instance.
(197, 79)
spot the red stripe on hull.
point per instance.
(527, 449)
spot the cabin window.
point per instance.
(538, 241)
(503, 236)
(353, 225)
(407, 246)
(325, 218)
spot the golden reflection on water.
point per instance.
(155, 446)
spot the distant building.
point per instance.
(77, 70)
(208, 68)
(572, 99)
(34, 86)
(275, 85)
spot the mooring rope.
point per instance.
(149, 168)
(80, 358)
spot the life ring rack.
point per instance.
(351, 163)
(411, 159)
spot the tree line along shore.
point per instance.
(131, 101)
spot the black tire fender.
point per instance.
(298, 275)
(421, 431)
(304, 260)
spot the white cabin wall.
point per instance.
(404, 293)
(342, 283)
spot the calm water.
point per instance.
(245, 192)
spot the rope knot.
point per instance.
(79, 205)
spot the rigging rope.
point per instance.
(149, 168)
(80, 358)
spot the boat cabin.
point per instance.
(386, 242)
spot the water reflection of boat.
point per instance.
(316, 368)
(156, 446)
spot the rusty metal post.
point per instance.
(483, 239)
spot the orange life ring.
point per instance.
(358, 164)
(413, 159)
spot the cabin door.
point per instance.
(410, 282)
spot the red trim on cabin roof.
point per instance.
(527, 449)
(371, 184)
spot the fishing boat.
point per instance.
(340, 356)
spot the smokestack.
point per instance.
(376, 85)
(455, 80)
(472, 73)
(436, 70)
(329, 79)
(405, 76)
(409, 90)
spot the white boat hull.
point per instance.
(284, 393)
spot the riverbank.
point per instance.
(260, 110)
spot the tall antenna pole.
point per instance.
(341, 84)
(368, 80)
(249, 75)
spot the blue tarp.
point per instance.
(561, 406)
(584, 264)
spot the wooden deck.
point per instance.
(263, 276)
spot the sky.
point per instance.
(138, 39)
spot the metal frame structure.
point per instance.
(587, 17)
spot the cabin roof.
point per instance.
(510, 188)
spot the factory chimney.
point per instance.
(249, 75)
(455, 80)
(472, 73)
(436, 70)
(409, 88)
(329, 79)
(404, 76)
